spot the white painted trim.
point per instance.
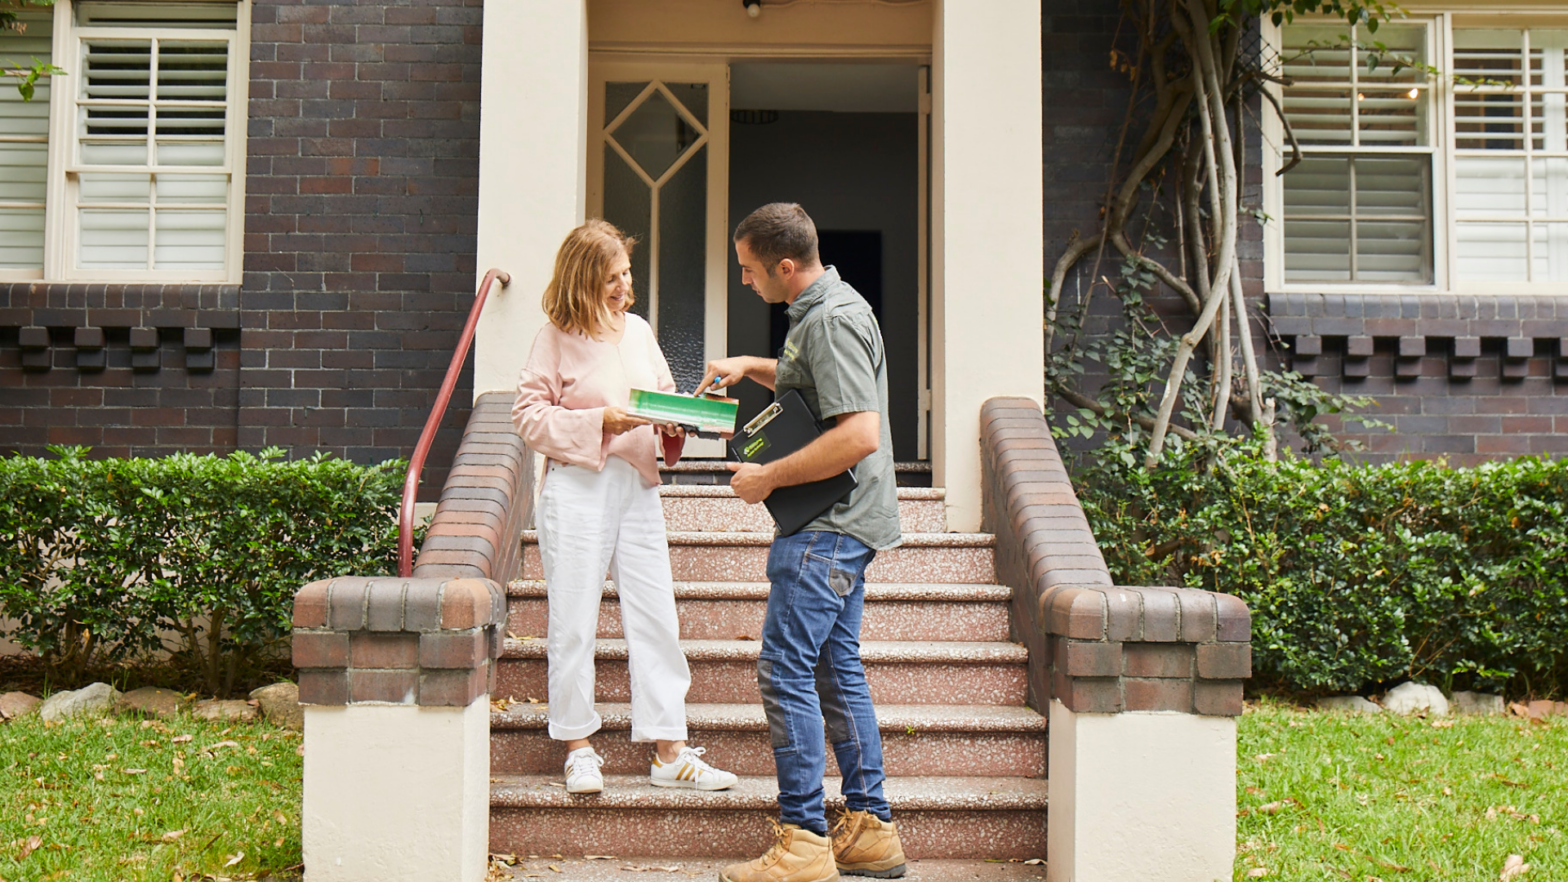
(923, 273)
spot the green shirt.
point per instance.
(833, 356)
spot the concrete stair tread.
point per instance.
(576, 869)
(750, 718)
(723, 491)
(718, 539)
(875, 591)
(875, 651)
(633, 792)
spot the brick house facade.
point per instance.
(361, 192)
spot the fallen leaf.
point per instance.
(30, 846)
(1035, 862)
(181, 739)
(222, 744)
(555, 868)
(598, 857)
(1513, 868)
(1257, 872)
(235, 859)
(135, 771)
(172, 835)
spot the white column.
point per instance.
(1147, 796)
(397, 793)
(987, 231)
(532, 170)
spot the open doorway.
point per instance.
(844, 141)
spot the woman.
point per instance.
(599, 509)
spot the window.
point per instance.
(1358, 208)
(1510, 156)
(1450, 182)
(145, 148)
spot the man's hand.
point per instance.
(722, 373)
(751, 482)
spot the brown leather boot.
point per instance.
(798, 856)
(866, 845)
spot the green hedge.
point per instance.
(101, 560)
(1357, 575)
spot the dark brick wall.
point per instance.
(361, 203)
(72, 370)
(362, 199)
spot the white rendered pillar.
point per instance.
(397, 793)
(988, 231)
(1141, 795)
(532, 168)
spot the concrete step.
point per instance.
(609, 868)
(996, 818)
(743, 557)
(986, 740)
(725, 671)
(698, 507)
(729, 610)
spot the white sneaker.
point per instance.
(582, 771)
(689, 771)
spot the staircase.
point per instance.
(965, 758)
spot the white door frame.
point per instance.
(716, 139)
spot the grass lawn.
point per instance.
(129, 799)
(1380, 797)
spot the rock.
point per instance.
(1413, 698)
(1477, 703)
(280, 705)
(1541, 709)
(152, 701)
(238, 711)
(15, 704)
(96, 700)
(1351, 703)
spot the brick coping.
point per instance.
(1095, 646)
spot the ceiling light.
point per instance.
(753, 7)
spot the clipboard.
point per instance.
(782, 428)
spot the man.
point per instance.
(809, 671)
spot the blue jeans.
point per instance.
(810, 675)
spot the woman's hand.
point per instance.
(672, 431)
(618, 421)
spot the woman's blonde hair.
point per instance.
(574, 301)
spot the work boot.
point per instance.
(799, 855)
(866, 845)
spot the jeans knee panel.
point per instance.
(778, 722)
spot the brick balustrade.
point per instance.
(1096, 646)
(386, 640)
(486, 503)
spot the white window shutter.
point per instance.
(24, 148)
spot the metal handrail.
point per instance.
(405, 521)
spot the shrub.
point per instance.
(1356, 575)
(104, 559)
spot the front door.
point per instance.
(658, 168)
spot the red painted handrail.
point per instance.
(405, 521)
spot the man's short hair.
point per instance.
(777, 231)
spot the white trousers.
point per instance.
(590, 522)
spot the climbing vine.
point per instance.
(1172, 216)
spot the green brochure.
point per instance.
(707, 414)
